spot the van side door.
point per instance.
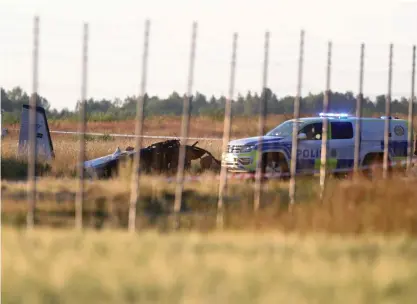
(341, 145)
(308, 152)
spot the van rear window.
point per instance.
(341, 130)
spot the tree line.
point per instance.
(245, 105)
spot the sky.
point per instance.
(117, 33)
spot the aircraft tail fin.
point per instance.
(44, 146)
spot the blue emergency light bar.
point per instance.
(339, 115)
(389, 117)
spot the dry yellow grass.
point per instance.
(171, 126)
(200, 126)
(387, 207)
(382, 206)
(240, 265)
(66, 146)
(58, 266)
(66, 149)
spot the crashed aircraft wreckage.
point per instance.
(160, 157)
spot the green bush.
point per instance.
(10, 118)
(17, 169)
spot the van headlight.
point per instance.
(247, 148)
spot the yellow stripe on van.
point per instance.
(331, 163)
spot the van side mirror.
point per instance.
(302, 136)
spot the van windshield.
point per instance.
(284, 129)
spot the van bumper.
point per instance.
(239, 162)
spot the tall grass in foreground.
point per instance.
(388, 207)
(57, 266)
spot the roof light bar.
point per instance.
(389, 117)
(334, 115)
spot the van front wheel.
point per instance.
(275, 164)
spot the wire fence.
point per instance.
(281, 162)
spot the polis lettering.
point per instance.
(308, 153)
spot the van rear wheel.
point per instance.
(374, 164)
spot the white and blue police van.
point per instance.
(242, 154)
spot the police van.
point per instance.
(242, 154)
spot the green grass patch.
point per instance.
(17, 169)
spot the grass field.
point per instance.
(383, 206)
(66, 149)
(66, 146)
(359, 245)
(387, 207)
(58, 266)
(200, 126)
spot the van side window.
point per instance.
(341, 130)
(313, 131)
